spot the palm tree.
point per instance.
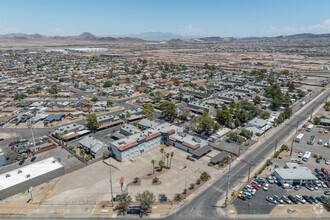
(124, 201)
(172, 154)
(153, 166)
(161, 164)
(162, 150)
(167, 156)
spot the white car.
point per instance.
(327, 162)
(266, 187)
(300, 155)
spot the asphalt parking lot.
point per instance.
(258, 204)
(316, 148)
(63, 156)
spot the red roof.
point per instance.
(171, 131)
(191, 146)
(153, 135)
(172, 138)
(127, 146)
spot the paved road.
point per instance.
(203, 206)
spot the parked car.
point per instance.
(285, 199)
(270, 199)
(241, 196)
(278, 199)
(266, 187)
(327, 192)
(286, 186)
(318, 160)
(300, 155)
(320, 141)
(300, 199)
(297, 187)
(324, 171)
(327, 162)
(270, 179)
(293, 199)
(318, 171)
(314, 199)
(308, 186)
(307, 199)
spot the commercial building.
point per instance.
(130, 146)
(187, 142)
(19, 180)
(93, 146)
(294, 174)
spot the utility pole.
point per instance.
(249, 172)
(228, 184)
(291, 148)
(31, 128)
(275, 148)
(312, 114)
(297, 127)
(111, 181)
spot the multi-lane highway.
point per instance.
(203, 205)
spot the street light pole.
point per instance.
(291, 148)
(111, 181)
(228, 183)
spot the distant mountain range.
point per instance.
(84, 37)
(143, 37)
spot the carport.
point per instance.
(219, 157)
(202, 151)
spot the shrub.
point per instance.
(155, 180)
(71, 148)
(204, 176)
(269, 162)
(184, 191)
(136, 179)
(198, 181)
(177, 197)
(192, 186)
(315, 156)
(74, 151)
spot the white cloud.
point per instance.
(317, 28)
(189, 29)
(8, 30)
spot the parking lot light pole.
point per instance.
(291, 148)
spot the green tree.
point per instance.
(265, 115)
(161, 164)
(82, 152)
(153, 166)
(124, 200)
(107, 84)
(146, 199)
(257, 99)
(92, 122)
(276, 103)
(19, 96)
(204, 176)
(94, 99)
(224, 117)
(172, 154)
(53, 89)
(148, 110)
(167, 156)
(246, 133)
(162, 150)
(169, 110)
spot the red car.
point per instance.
(254, 186)
(328, 183)
(324, 171)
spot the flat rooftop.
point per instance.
(297, 173)
(36, 169)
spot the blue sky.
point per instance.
(237, 18)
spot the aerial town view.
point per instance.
(164, 109)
